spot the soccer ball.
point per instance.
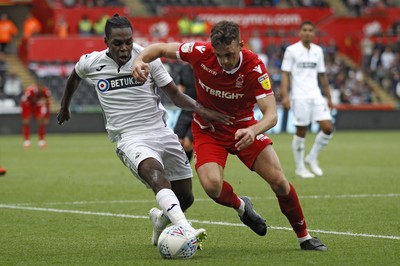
(175, 242)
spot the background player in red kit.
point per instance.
(35, 102)
(231, 80)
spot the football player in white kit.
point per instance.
(303, 64)
(136, 120)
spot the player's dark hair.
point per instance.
(224, 32)
(116, 22)
(306, 22)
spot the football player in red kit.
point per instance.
(35, 102)
(232, 80)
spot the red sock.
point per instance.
(228, 197)
(26, 130)
(41, 132)
(290, 207)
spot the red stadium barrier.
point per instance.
(347, 32)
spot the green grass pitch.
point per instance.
(75, 203)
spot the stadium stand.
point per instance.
(356, 75)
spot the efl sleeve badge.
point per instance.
(265, 82)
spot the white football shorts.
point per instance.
(306, 111)
(162, 145)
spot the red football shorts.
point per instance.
(38, 111)
(214, 146)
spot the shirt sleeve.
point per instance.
(159, 73)
(287, 61)
(263, 85)
(80, 66)
(260, 80)
(192, 51)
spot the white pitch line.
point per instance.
(195, 221)
(74, 212)
(207, 199)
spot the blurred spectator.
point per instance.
(339, 83)
(159, 29)
(13, 87)
(355, 7)
(396, 27)
(379, 44)
(99, 25)
(387, 58)
(255, 42)
(3, 69)
(397, 43)
(396, 85)
(184, 25)
(101, 3)
(62, 27)
(331, 49)
(375, 61)
(69, 3)
(199, 27)
(85, 26)
(32, 26)
(115, 3)
(355, 88)
(367, 48)
(256, 45)
(7, 31)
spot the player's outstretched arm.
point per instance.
(140, 68)
(64, 113)
(187, 103)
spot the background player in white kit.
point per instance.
(136, 120)
(304, 63)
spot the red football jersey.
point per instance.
(235, 92)
(36, 96)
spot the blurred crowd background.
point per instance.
(363, 68)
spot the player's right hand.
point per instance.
(63, 115)
(286, 103)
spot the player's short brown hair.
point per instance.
(224, 32)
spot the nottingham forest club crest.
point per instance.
(122, 82)
(239, 81)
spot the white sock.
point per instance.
(240, 211)
(304, 238)
(169, 203)
(298, 145)
(162, 220)
(321, 140)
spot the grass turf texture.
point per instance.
(75, 203)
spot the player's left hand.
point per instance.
(140, 70)
(210, 116)
(63, 115)
(245, 136)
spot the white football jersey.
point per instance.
(129, 106)
(304, 65)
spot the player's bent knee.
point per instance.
(280, 185)
(186, 201)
